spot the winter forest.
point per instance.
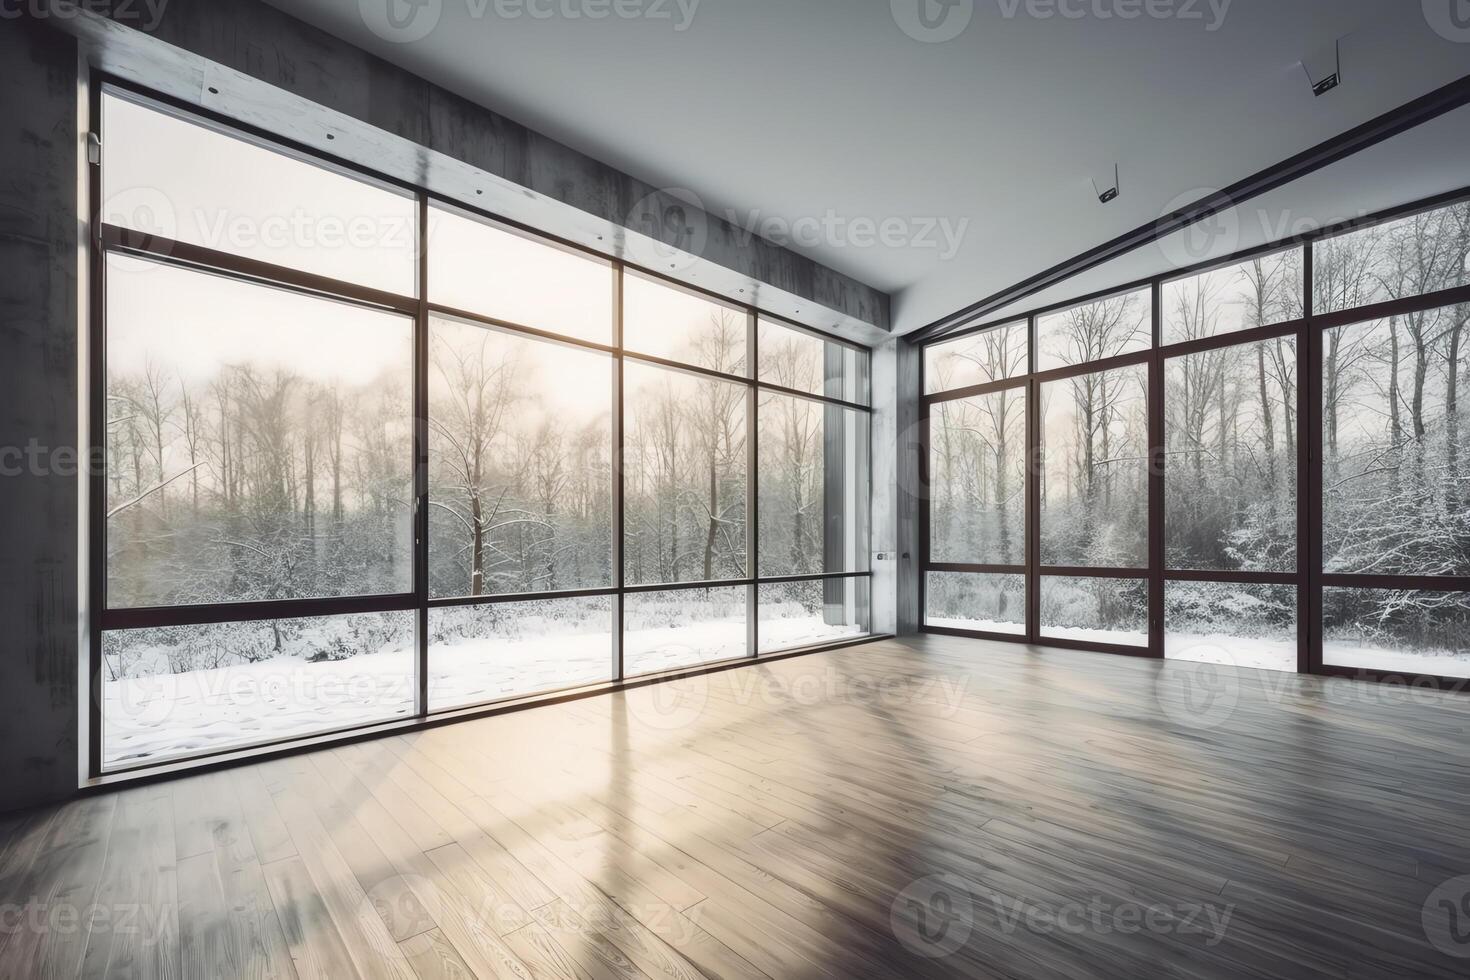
(1394, 498)
(269, 456)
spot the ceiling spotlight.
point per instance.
(1105, 183)
(1323, 68)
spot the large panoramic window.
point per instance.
(1231, 431)
(801, 361)
(1231, 623)
(976, 601)
(993, 354)
(684, 476)
(1272, 455)
(813, 499)
(511, 276)
(1094, 608)
(1395, 491)
(1422, 253)
(197, 184)
(1258, 292)
(1397, 631)
(499, 650)
(977, 479)
(1396, 495)
(1094, 471)
(520, 463)
(259, 441)
(677, 324)
(1094, 331)
(338, 492)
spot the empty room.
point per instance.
(735, 489)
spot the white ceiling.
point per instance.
(1426, 161)
(826, 110)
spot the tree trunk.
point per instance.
(477, 547)
(709, 537)
(1268, 424)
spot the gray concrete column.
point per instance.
(38, 422)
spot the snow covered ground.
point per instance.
(1263, 653)
(1347, 654)
(206, 710)
(1266, 654)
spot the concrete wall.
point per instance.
(38, 379)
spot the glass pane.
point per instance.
(1090, 332)
(479, 654)
(196, 185)
(259, 442)
(682, 628)
(499, 272)
(1409, 257)
(1095, 610)
(1239, 625)
(520, 452)
(798, 614)
(1094, 477)
(795, 359)
(1396, 495)
(183, 690)
(985, 603)
(683, 476)
(1397, 630)
(1230, 478)
(678, 325)
(977, 472)
(813, 486)
(1255, 293)
(991, 355)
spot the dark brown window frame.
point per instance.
(1309, 578)
(106, 239)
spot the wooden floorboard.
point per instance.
(934, 806)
